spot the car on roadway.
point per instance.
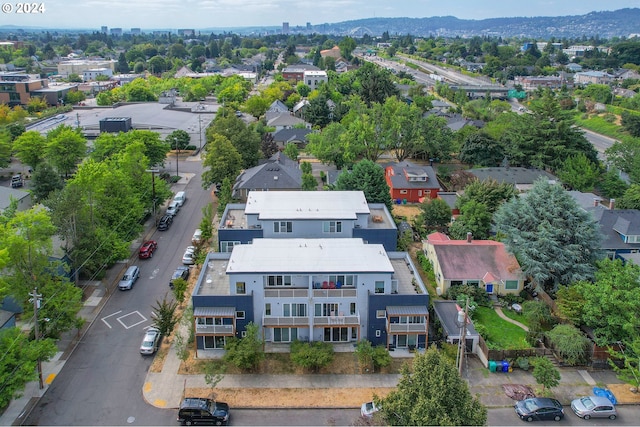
(181, 272)
(129, 278)
(150, 341)
(17, 181)
(594, 407)
(368, 409)
(198, 410)
(147, 249)
(189, 257)
(197, 237)
(165, 222)
(173, 208)
(539, 409)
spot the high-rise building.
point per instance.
(103, 29)
(285, 28)
(136, 31)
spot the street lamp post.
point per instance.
(153, 192)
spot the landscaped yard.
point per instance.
(515, 316)
(501, 334)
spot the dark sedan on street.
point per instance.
(539, 409)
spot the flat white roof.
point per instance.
(306, 204)
(309, 256)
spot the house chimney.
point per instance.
(612, 204)
(468, 237)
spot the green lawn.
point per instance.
(501, 334)
(515, 316)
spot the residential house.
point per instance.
(595, 77)
(306, 214)
(447, 314)
(93, 73)
(300, 108)
(451, 199)
(620, 229)
(314, 78)
(585, 200)
(286, 121)
(339, 290)
(624, 73)
(22, 197)
(483, 263)
(276, 109)
(279, 173)
(411, 182)
(455, 121)
(521, 178)
(295, 73)
(535, 82)
(291, 136)
(573, 67)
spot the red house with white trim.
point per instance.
(411, 182)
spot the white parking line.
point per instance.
(105, 322)
(119, 319)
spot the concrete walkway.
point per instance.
(508, 319)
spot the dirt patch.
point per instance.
(291, 397)
(407, 211)
(623, 394)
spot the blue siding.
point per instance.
(243, 236)
(386, 237)
(381, 302)
(238, 302)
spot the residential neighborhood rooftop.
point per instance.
(307, 204)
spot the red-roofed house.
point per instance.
(484, 263)
(411, 182)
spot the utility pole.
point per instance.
(463, 335)
(200, 123)
(36, 298)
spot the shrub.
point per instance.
(475, 292)
(313, 356)
(570, 343)
(245, 353)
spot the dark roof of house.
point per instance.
(615, 223)
(447, 312)
(280, 173)
(512, 175)
(450, 198)
(291, 135)
(455, 121)
(5, 316)
(400, 171)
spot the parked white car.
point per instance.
(368, 409)
(189, 256)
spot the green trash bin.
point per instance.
(492, 366)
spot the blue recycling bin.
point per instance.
(505, 366)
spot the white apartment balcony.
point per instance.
(215, 329)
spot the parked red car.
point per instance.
(147, 248)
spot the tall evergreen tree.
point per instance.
(369, 178)
(555, 240)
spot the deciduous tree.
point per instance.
(545, 373)
(580, 173)
(222, 159)
(432, 393)
(245, 353)
(368, 177)
(436, 214)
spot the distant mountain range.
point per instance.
(605, 25)
(618, 23)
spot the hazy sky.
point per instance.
(173, 14)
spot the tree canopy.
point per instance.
(432, 394)
(369, 178)
(555, 241)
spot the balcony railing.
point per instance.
(407, 327)
(285, 321)
(334, 293)
(215, 329)
(339, 319)
(286, 293)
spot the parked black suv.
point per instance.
(181, 272)
(165, 222)
(196, 410)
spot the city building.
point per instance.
(331, 290)
(18, 88)
(306, 214)
(285, 28)
(93, 73)
(79, 66)
(314, 78)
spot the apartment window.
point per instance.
(511, 285)
(228, 246)
(378, 333)
(343, 279)
(294, 310)
(209, 321)
(326, 309)
(352, 308)
(403, 191)
(475, 283)
(419, 192)
(277, 280)
(379, 289)
(282, 227)
(381, 314)
(285, 334)
(332, 226)
(309, 82)
(241, 288)
(239, 314)
(267, 309)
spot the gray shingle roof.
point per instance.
(615, 222)
(280, 173)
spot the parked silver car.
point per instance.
(150, 341)
(129, 278)
(594, 407)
